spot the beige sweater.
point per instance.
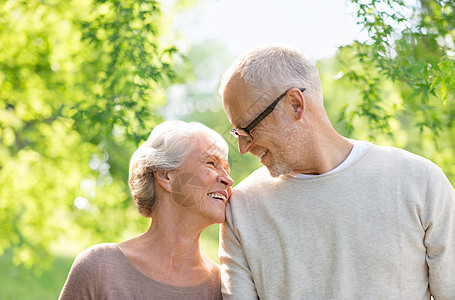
(382, 228)
(103, 272)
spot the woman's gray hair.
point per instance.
(271, 69)
(165, 149)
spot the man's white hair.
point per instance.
(269, 70)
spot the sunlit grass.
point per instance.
(18, 282)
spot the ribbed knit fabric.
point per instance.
(382, 228)
(103, 272)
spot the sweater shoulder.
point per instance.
(257, 181)
(400, 164)
(400, 157)
(244, 195)
(98, 251)
(91, 258)
(86, 276)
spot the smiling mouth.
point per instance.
(218, 196)
(261, 155)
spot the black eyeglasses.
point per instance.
(246, 131)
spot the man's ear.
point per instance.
(298, 102)
(163, 179)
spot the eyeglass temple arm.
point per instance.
(267, 111)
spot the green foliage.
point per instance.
(402, 77)
(413, 46)
(80, 84)
(127, 66)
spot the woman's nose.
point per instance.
(226, 179)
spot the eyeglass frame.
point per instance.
(261, 116)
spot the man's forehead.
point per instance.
(243, 117)
(238, 104)
(235, 92)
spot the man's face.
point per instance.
(273, 137)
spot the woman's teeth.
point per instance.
(218, 196)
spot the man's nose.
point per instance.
(244, 144)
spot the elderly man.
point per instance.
(327, 217)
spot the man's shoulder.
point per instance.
(261, 172)
(401, 163)
(255, 180)
(254, 187)
(400, 156)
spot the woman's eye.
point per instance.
(212, 163)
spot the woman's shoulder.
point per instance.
(97, 252)
(214, 270)
(101, 249)
(96, 255)
(214, 278)
(87, 272)
(212, 286)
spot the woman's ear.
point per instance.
(163, 179)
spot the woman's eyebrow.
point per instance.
(227, 167)
(223, 161)
(212, 156)
(217, 158)
(213, 153)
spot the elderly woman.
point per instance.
(180, 179)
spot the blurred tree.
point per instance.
(197, 99)
(403, 76)
(80, 84)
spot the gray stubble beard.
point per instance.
(281, 166)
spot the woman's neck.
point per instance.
(169, 251)
(175, 244)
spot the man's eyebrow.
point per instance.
(235, 124)
(238, 123)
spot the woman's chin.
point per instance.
(220, 220)
(217, 218)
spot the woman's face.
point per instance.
(203, 184)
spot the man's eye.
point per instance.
(212, 163)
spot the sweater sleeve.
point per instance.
(439, 240)
(236, 279)
(83, 277)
